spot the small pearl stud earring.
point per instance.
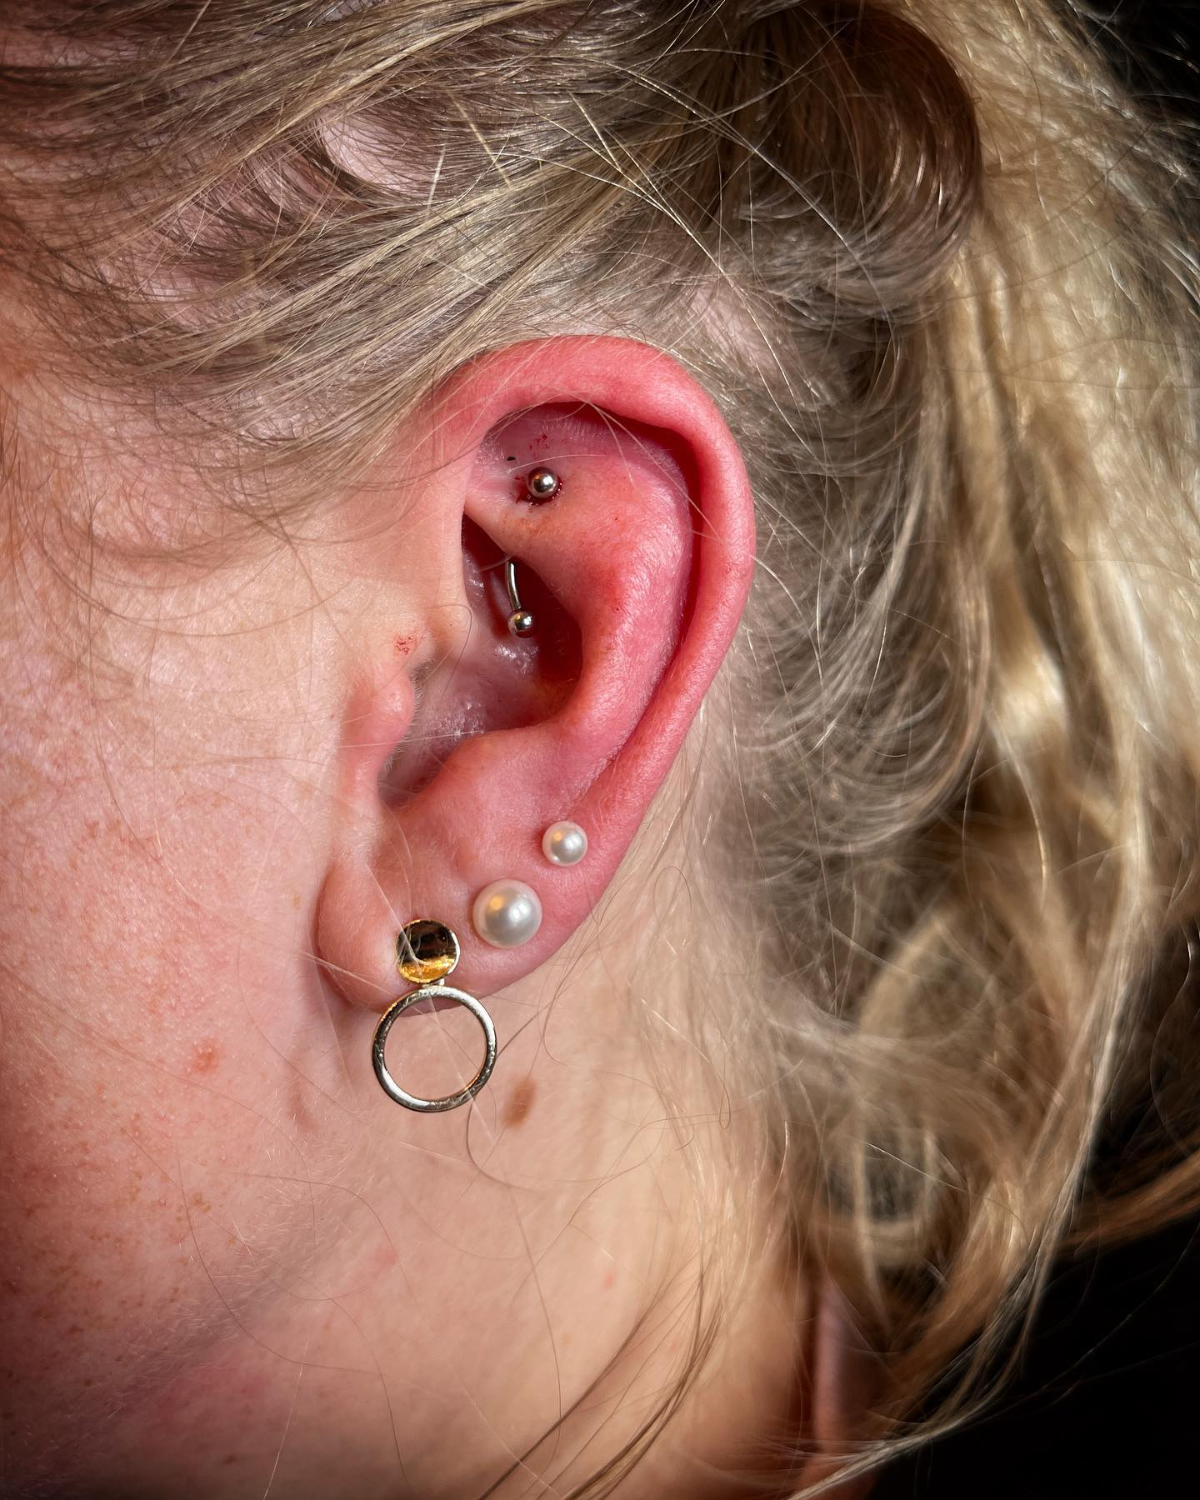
(564, 843)
(506, 913)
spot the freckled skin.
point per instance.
(224, 1252)
(206, 1056)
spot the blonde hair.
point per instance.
(935, 265)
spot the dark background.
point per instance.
(1106, 1401)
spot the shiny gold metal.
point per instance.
(426, 951)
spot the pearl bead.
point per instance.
(506, 913)
(564, 843)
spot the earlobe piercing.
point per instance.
(506, 913)
(520, 621)
(426, 951)
(564, 843)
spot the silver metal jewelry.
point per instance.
(426, 951)
(520, 621)
(564, 843)
(543, 484)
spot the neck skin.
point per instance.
(753, 1390)
(762, 1396)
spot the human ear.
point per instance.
(636, 570)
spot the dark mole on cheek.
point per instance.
(205, 1056)
(516, 1111)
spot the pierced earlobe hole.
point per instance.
(426, 950)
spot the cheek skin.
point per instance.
(164, 1045)
(130, 1202)
(227, 1261)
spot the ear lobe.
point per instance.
(646, 551)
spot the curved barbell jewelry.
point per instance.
(541, 484)
(520, 621)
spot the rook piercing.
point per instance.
(520, 621)
(564, 843)
(426, 951)
(543, 484)
(506, 913)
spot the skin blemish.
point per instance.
(403, 644)
(610, 1280)
(520, 1102)
(205, 1056)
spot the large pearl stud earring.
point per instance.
(506, 913)
(564, 843)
